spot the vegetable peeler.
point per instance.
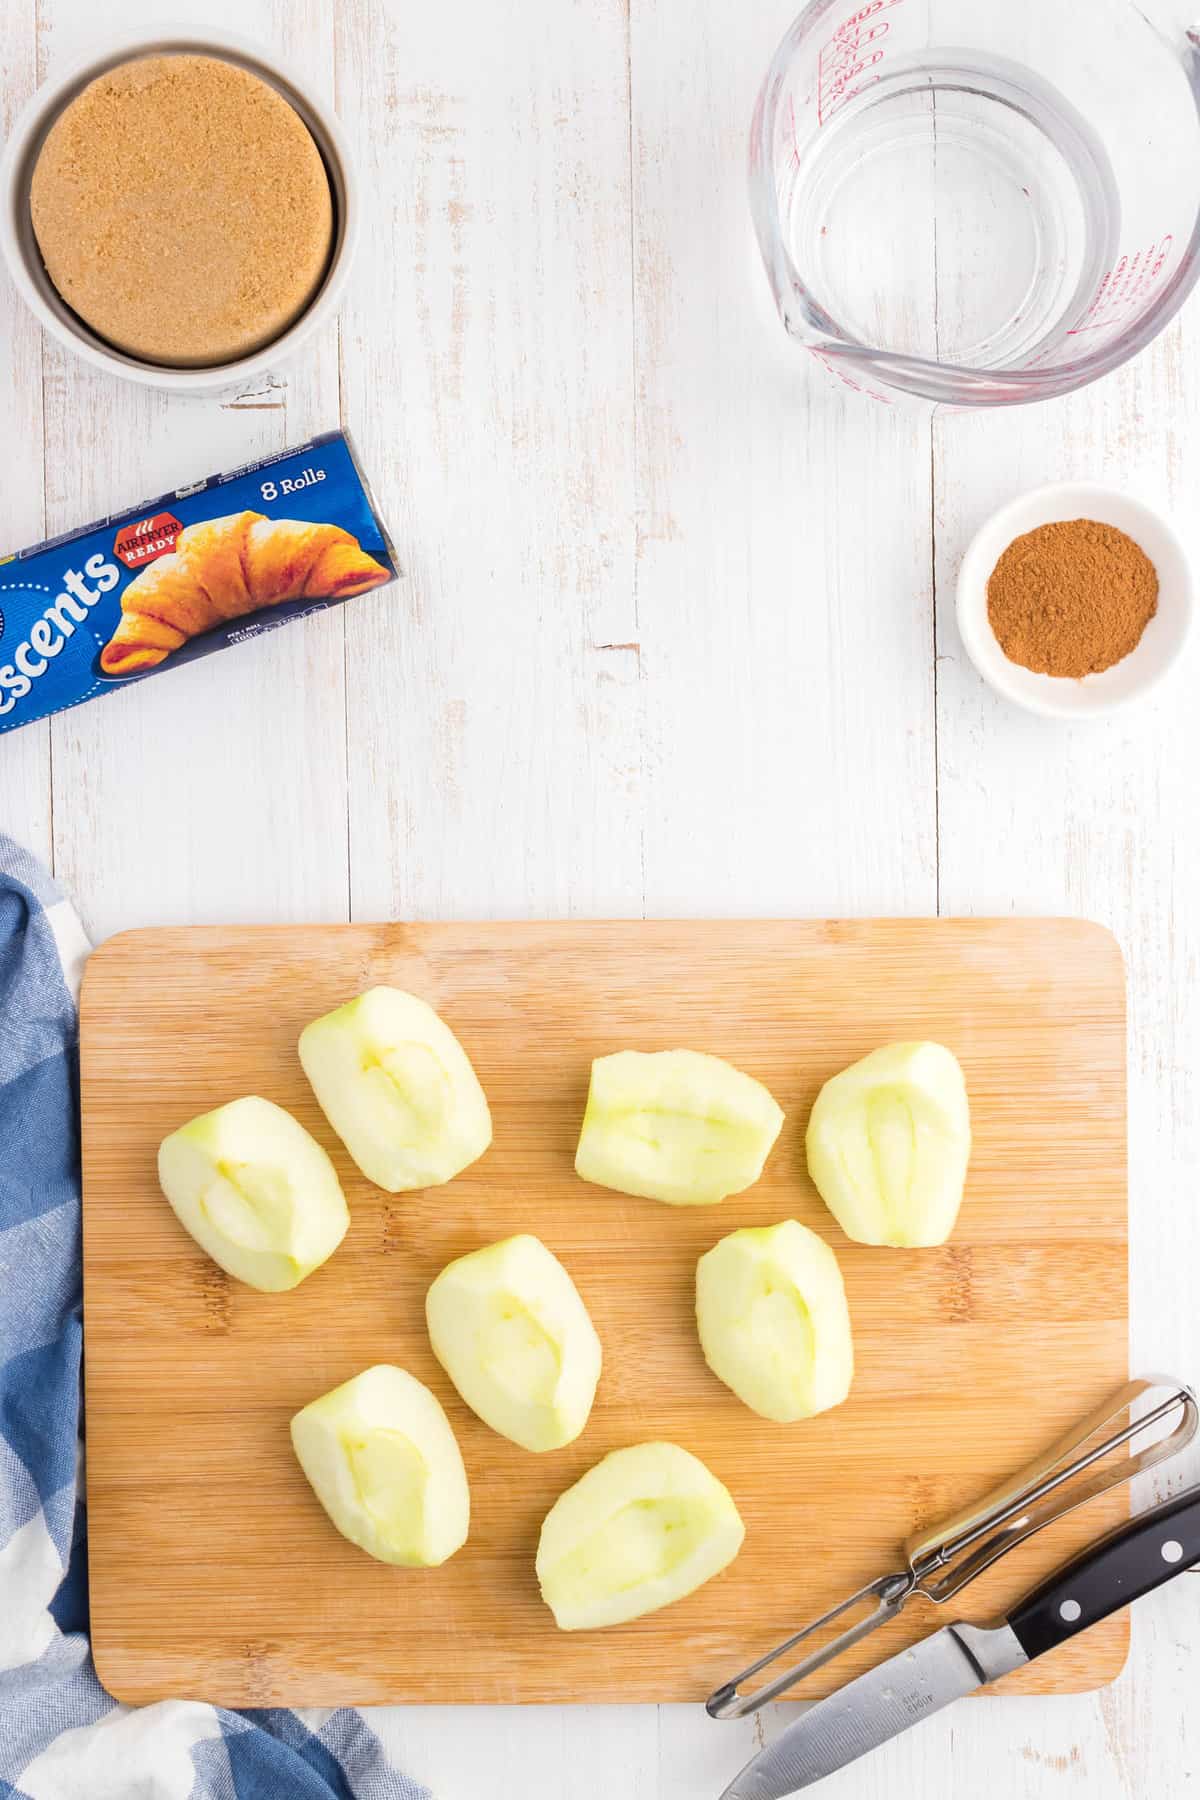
(940, 1562)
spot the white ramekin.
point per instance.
(1161, 644)
(20, 247)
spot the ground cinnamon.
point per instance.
(1071, 598)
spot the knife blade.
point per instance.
(908, 1687)
(1131, 1561)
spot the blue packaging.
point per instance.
(184, 575)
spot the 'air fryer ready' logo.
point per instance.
(137, 545)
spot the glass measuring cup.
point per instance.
(980, 202)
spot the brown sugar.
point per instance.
(182, 209)
(1072, 598)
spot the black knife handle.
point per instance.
(1131, 1561)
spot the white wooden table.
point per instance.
(677, 638)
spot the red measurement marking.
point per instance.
(1124, 287)
(846, 61)
(844, 375)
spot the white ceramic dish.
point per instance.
(20, 247)
(1162, 642)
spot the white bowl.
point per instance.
(1162, 642)
(20, 246)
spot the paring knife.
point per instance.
(1129, 1562)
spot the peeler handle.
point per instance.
(1118, 1569)
(1074, 1470)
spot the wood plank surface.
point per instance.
(212, 1567)
(498, 152)
(797, 586)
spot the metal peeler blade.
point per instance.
(941, 1562)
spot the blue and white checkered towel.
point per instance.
(61, 1736)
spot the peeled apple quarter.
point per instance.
(255, 1191)
(509, 1328)
(642, 1528)
(384, 1463)
(888, 1144)
(675, 1126)
(398, 1088)
(773, 1321)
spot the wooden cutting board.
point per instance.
(214, 1572)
